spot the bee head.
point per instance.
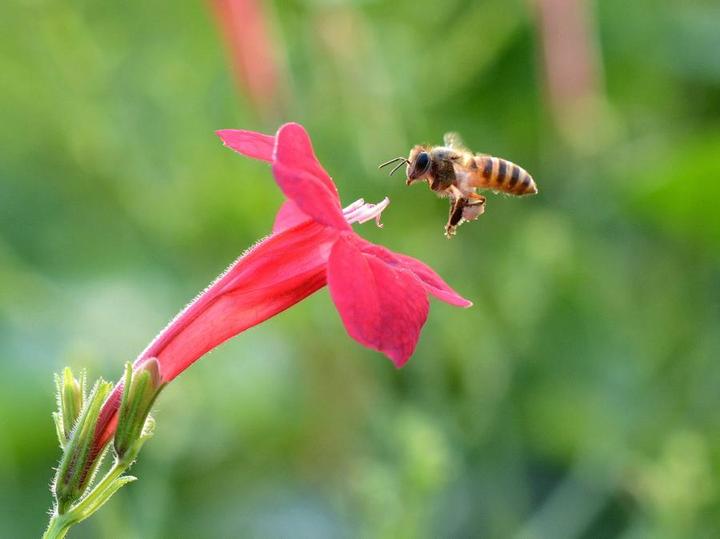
(418, 164)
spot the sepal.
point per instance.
(135, 426)
(101, 496)
(79, 460)
(70, 399)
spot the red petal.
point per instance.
(276, 274)
(430, 280)
(248, 143)
(294, 149)
(382, 306)
(288, 216)
(302, 178)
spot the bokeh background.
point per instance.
(578, 398)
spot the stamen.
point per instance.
(354, 206)
(360, 212)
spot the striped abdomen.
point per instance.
(502, 175)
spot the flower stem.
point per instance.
(91, 502)
(58, 526)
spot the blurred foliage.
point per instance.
(579, 397)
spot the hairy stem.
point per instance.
(91, 502)
(58, 526)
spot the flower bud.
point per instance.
(79, 460)
(141, 388)
(70, 398)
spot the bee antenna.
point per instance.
(386, 163)
(402, 162)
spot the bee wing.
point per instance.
(454, 141)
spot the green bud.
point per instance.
(141, 388)
(80, 459)
(70, 398)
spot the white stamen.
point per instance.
(354, 206)
(360, 212)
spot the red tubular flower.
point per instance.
(252, 50)
(381, 296)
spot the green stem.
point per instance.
(60, 524)
(116, 471)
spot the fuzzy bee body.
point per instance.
(455, 172)
(487, 172)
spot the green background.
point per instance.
(579, 397)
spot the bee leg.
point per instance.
(474, 208)
(456, 216)
(476, 199)
(456, 193)
(456, 211)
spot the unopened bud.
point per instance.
(79, 459)
(70, 397)
(141, 388)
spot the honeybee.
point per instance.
(457, 173)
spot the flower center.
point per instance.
(361, 212)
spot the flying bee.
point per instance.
(457, 173)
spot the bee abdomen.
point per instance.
(502, 175)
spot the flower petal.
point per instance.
(431, 281)
(248, 143)
(288, 216)
(294, 149)
(382, 306)
(302, 178)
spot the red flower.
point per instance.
(381, 296)
(252, 50)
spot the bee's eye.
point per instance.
(422, 162)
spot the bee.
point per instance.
(457, 173)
